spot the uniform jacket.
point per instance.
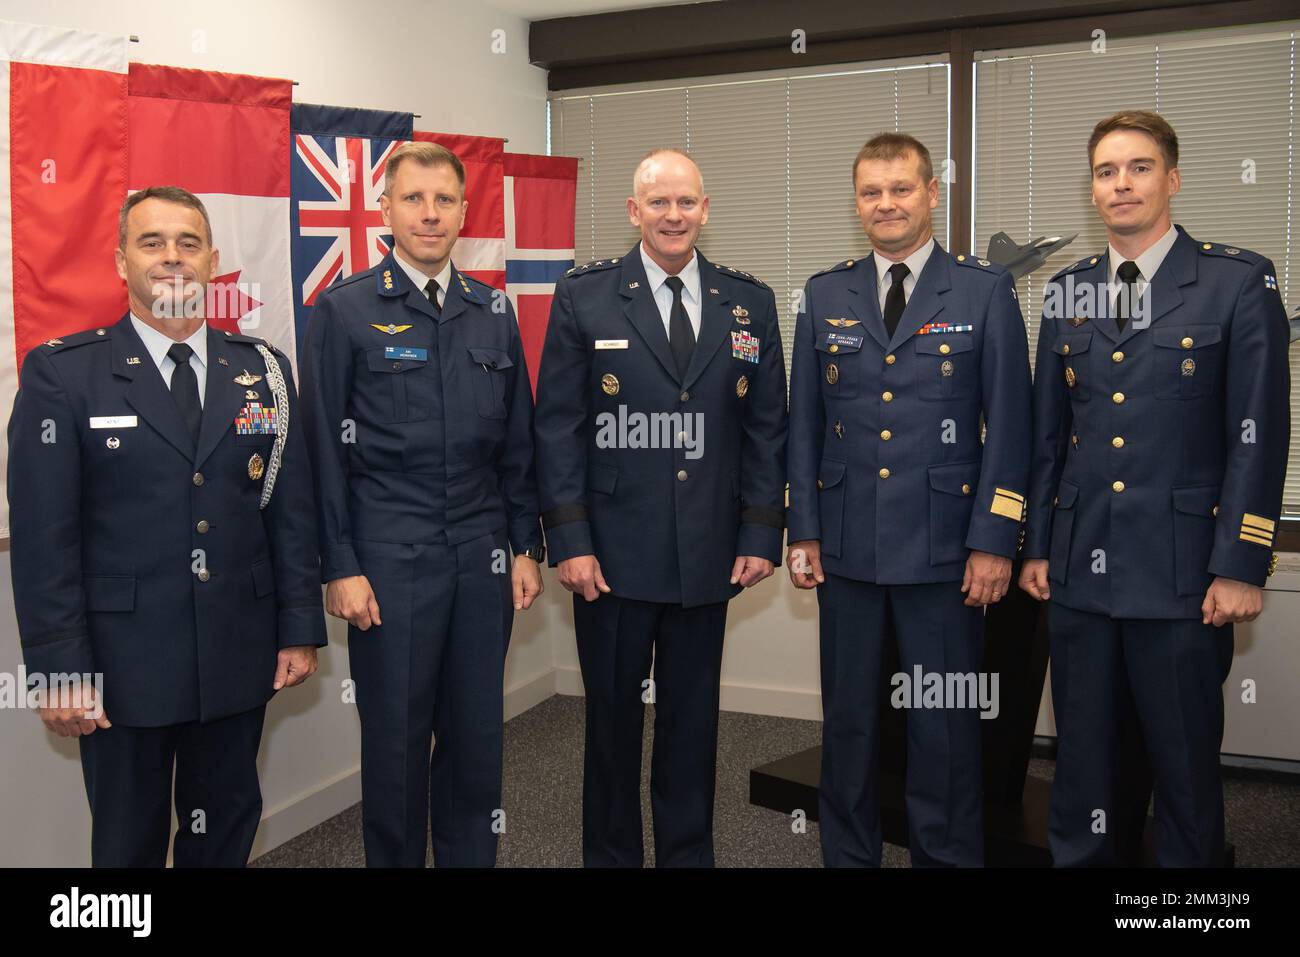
(1160, 451)
(385, 424)
(887, 467)
(665, 527)
(140, 556)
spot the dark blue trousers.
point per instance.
(945, 778)
(618, 638)
(432, 671)
(128, 773)
(1176, 669)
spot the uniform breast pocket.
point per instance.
(838, 357)
(945, 367)
(1186, 361)
(1073, 350)
(489, 377)
(400, 384)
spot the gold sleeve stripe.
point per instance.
(1258, 540)
(1007, 507)
(1256, 521)
(1009, 494)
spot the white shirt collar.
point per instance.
(419, 280)
(690, 274)
(915, 263)
(1148, 261)
(157, 344)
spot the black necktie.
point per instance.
(1128, 273)
(894, 300)
(185, 387)
(431, 290)
(681, 337)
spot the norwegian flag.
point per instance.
(338, 159)
(540, 193)
(481, 248)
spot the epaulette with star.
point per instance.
(1229, 252)
(1087, 262)
(596, 265)
(254, 341)
(846, 264)
(743, 275)
(976, 263)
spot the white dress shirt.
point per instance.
(1147, 262)
(658, 279)
(915, 263)
(157, 344)
(420, 280)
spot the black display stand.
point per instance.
(1016, 805)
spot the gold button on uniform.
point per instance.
(1214, 511)
(204, 574)
(965, 489)
(685, 396)
(834, 348)
(821, 484)
(1117, 486)
(1117, 357)
(1187, 342)
(944, 348)
(1117, 398)
(681, 476)
(198, 478)
(887, 396)
(203, 526)
(886, 434)
(890, 359)
(884, 473)
(1118, 441)
(1065, 350)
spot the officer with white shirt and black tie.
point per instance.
(164, 537)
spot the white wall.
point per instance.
(431, 57)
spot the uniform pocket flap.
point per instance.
(1187, 337)
(1072, 345)
(831, 473)
(492, 358)
(1066, 494)
(109, 592)
(933, 345)
(263, 579)
(957, 479)
(602, 478)
(1196, 499)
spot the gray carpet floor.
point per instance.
(542, 797)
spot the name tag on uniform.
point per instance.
(611, 343)
(406, 352)
(843, 339)
(113, 421)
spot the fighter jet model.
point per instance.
(1022, 260)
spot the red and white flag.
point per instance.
(481, 248)
(62, 179)
(225, 138)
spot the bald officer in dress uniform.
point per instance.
(163, 535)
(661, 430)
(1161, 427)
(419, 421)
(900, 516)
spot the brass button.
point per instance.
(965, 489)
(685, 396)
(884, 473)
(1117, 486)
(886, 434)
(683, 437)
(1187, 342)
(1117, 357)
(397, 365)
(887, 396)
(1215, 510)
(1065, 349)
(204, 574)
(944, 348)
(890, 359)
(681, 476)
(834, 348)
(1118, 441)
(1117, 398)
(821, 484)
(198, 478)
(203, 527)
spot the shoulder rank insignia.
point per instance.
(54, 342)
(391, 329)
(248, 379)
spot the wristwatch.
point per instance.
(537, 553)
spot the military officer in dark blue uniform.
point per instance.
(661, 431)
(418, 414)
(902, 514)
(1161, 428)
(164, 538)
